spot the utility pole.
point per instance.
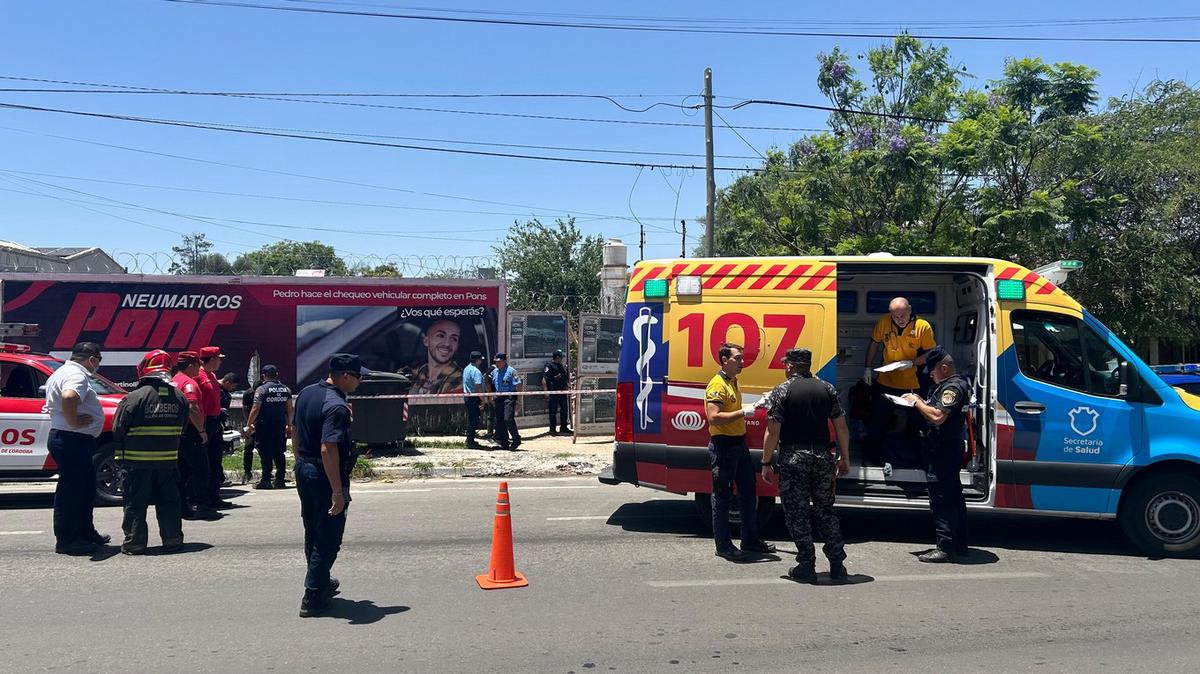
(711, 212)
(683, 243)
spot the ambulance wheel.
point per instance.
(1161, 515)
(108, 476)
(764, 512)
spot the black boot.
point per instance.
(837, 571)
(803, 573)
(314, 603)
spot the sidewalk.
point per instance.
(540, 455)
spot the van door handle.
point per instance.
(1028, 407)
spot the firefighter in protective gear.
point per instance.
(147, 427)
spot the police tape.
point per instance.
(460, 396)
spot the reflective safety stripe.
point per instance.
(165, 431)
(134, 455)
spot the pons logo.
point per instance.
(688, 420)
(1084, 420)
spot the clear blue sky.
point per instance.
(152, 43)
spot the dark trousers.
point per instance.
(215, 452)
(271, 446)
(248, 455)
(946, 500)
(732, 465)
(507, 435)
(322, 532)
(560, 407)
(143, 486)
(892, 431)
(806, 490)
(76, 489)
(472, 418)
(193, 468)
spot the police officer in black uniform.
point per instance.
(324, 458)
(944, 446)
(269, 421)
(555, 378)
(147, 426)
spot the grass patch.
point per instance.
(424, 468)
(563, 455)
(420, 443)
(362, 470)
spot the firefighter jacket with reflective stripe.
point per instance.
(148, 423)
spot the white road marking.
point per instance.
(20, 533)
(1009, 575)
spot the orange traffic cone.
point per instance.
(502, 574)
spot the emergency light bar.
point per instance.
(655, 289)
(14, 348)
(688, 286)
(19, 330)
(1056, 272)
(1178, 368)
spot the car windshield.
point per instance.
(98, 383)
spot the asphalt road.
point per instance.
(620, 580)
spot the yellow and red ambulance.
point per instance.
(1067, 420)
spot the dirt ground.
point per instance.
(540, 455)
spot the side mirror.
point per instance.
(1123, 379)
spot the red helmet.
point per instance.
(153, 362)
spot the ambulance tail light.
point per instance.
(624, 426)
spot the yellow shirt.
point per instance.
(902, 344)
(723, 392)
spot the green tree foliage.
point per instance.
(550, 268)
(193, 257)
(385, 270)
(285, 257)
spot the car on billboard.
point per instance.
(25, 428)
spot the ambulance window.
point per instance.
(1049, 348)
(1103, 365)
(18, 380)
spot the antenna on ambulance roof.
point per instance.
(1056, 272)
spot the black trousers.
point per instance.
(143, 486)
(322, 532)
(946, 500)
(271, 443)
(216, 452)
(732, 464)
(507, 434)
(193, 468)
(76, 489)
(472, 418)
(248, 455)
(560, 407)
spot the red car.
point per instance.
(25, 428)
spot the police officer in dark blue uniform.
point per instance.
(944, 446)
(268, 421)
(556, 378)
(324, 458)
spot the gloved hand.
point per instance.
(749, 410)
(867, 375)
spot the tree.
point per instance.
(550, 268)
(385, 270)
(285, 257)
(193, 257)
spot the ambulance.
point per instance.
(1066, 419)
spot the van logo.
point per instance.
(646, 350)
(1084, 420)
(688, 420)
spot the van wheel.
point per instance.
(108, 476)
(764, 512)
(1161, 515)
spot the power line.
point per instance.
(684, 29)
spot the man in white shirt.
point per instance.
(76, 420)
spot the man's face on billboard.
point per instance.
(441, 341)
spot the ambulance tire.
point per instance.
(1161, 515)
(108, 476)
(765, 511)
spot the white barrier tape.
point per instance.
(460, 396)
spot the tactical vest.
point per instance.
(806, 412)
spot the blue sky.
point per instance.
(432, 204)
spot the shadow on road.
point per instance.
(187, 548)
(988, 530)
(33, 500)
(361, 612)
(823, 580)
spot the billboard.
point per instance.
(533, 337)
(600, 343)
(596, 413)
(424, 328)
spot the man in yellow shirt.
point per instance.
(905, 338)
(730, 458)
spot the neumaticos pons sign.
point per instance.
(422, 329)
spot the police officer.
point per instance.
(473, 383)
(798, 415)
(324, 458)
(555, 378)
(506, 380)
(269, 423)
(946, 419)
(148, 425)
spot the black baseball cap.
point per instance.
(798, 356)
(475, 355)
(933, 357)
(268, 369)
(501, 356)
(347, 362)
(558, 353)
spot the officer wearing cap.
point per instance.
(147, 427)
(269, 421)
(473, 383)
(506, 380)
(946, 420)
(555, 378)
(324, 458)
(798, 414)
